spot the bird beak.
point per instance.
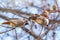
(6, 23)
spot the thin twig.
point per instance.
(16, 34)
(7, 31)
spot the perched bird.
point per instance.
(16, 22)
(44, 18)
(54, 7)
(46, 13)
(43, 21)
(40, 20)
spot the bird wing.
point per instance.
(39, 21)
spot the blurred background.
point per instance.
(12, 8)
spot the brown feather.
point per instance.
(6, 23)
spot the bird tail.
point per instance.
(6, 23)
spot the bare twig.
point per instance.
(31, 33)
(7, 31)
(14, 11)
(4, 17)
(53, 35)
(16, 34)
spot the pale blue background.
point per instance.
(22, 35)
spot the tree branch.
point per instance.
(25, 29)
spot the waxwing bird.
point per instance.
(40, 20)
(44, 18)
(16, 22)
(54, 7)
(46, 13)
